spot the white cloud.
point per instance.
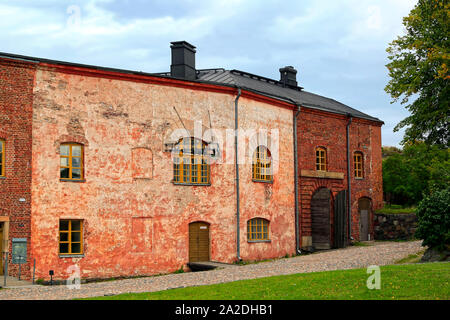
(338, 46)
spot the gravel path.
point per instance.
(381, 253)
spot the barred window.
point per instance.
(191, 162)
(2, 158)
(262, 165)
(257, 229)
(321, 159)
(358, 164)
(71, 237)
(71, 155)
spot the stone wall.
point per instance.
(395, 226)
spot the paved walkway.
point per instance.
(12, 282)
(381, 253)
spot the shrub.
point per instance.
(433, 215)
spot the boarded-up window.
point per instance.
(141, 234)
(142, 163)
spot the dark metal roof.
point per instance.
(235, 78)
(275, 89)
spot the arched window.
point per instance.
(72, 161)
(2, 158)
(257, 229)
(358, 160)
(321, 159)
(262, 165)
(191, 162)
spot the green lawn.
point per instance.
(396, 209)
(410, 281)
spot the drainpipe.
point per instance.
(238, 233)
(349, 197)
(297, 227)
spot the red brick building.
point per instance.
(124, 173)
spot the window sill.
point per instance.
(259, 241)
(62, 256)
(262, 181)
(359, 178)
(68, 180)
(192, 184)
(2, 178)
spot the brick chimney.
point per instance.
(288, 76)
(183, 60)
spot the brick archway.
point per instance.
(308, 186)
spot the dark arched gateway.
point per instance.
(320, 219)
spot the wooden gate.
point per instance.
(198, 242)
(320, 219)
(364, 215)
(340, 220)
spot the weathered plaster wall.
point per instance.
(320, 129)
(16, 96)
(135, 220)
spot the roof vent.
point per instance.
(183, 60)
(288, 76)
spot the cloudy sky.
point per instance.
(338, 46)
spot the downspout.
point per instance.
(349, 186)
(238, 233)
(297, 216)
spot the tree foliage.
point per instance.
(433, 215)
(419, 69)
(420, 169)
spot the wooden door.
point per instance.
(340, 220)
(1, 248)
(198, 242)
(364, 218)
(320, 219)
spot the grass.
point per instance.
(362, 244)
(412, 258)
(427, 281)
(396, 209)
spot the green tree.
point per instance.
(433, 214)
(419, 69)
(417, 171)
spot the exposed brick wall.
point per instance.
(321, 129)
(16, 98)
